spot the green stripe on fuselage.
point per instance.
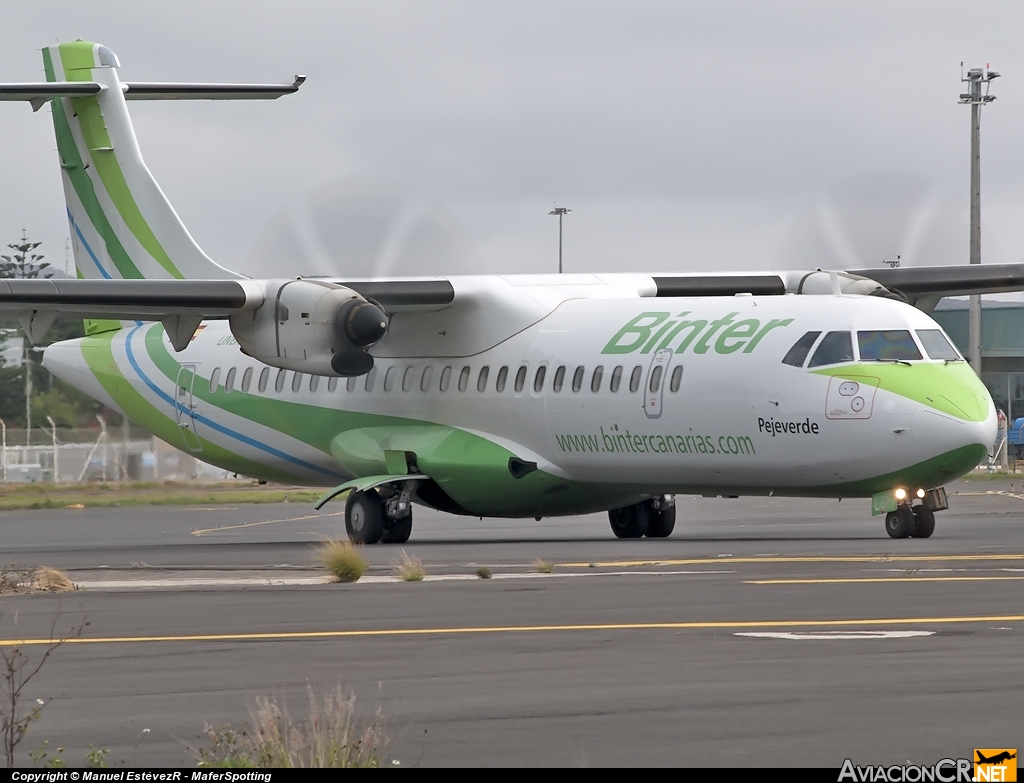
(99, 356)
(953, 389)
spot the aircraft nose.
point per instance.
(957, 426)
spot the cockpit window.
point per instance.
(887, 345)
(936, 345)
(835, 347)
(798, 353)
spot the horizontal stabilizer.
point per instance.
(38, 93)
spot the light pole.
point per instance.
(975, 98)
(561, 212)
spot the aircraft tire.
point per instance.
(924, 523)
(662, 522)
(364, 517)
(398, 531)
(631, 521)
(898, 523)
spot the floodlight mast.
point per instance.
(561, 212)
(976, 98)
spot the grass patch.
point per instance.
(146, 493)
(329, 737)
(342, 560)
(543, 566)
(483, 572)
(410, 568)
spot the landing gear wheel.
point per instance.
(631, 521)
(924, 523)
(364, 517)
(899, 523)
(397, 531)
(662, 521)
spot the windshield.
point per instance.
(835, 347)
(887, 345)
(936, 345)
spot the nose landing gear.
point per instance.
(904, 522)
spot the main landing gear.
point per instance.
(383, 516)
(907, 521)
(654, 518)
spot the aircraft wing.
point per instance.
(924, 283)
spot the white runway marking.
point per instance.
(835, 635)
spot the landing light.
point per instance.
(901, 494)
(920, 493)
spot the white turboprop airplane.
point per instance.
(496, 395)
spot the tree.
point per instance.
(23, 263)
(66, 405)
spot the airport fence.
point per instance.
(81, 455)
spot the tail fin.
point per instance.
(122, 225)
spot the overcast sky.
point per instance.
(436, 136)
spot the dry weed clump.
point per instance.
(543, 566)
(342, 560)
(410, 568)
(328, 737)
(50, 580)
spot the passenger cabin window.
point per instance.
(656, 374)
(371, 376)
(595, 381)
(215, 379)
(798, 353)
(613, 387)
(229, 381)
(314, 382)
(577, 379)
(296, 381)
(279, 380)
(389, 379)
(520, 379)
(835, 347)
(350, 384)
(264, 377)
(407, 378)
(634, 379)
(247, 379)
(464, 379)
(446, 378)
(332, 384)
(559, 379)
(428, 374)
(481, 381)
(937, 346)
(538, 379)
(499, 383)
(887, 345)
(677, 379)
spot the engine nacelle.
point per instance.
(312, 326)
(825, 282)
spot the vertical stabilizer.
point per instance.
(122, 225)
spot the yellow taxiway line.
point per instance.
(847, 580)
(795, 559)
(500, 629)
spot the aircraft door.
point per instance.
(185, 407)
(654, 388)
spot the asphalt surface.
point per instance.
(627, 653)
